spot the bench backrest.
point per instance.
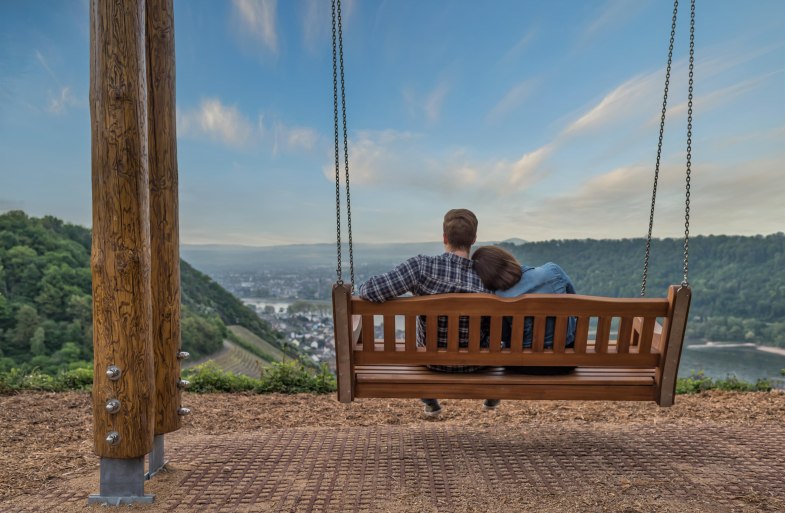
(624, 332)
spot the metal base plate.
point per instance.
(121, 482)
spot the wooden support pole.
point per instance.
(164, 219)
(120, 262)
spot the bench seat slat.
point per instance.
(498, 376)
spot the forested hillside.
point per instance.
(46, 298)
(738, 282)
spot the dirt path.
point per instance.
(248, 453)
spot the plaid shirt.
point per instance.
(424, 275)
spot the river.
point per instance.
(720, 359)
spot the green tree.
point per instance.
(22, 273)
(37, 346)
(27, 321)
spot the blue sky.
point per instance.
(542, 117)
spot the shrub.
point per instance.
(698, 382)
(208, 377)
(292, 377)
(285, 378)
(80, 378)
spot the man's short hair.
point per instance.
(460, 228)
(497, 268)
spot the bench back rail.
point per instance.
(610, 332)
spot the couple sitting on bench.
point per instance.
(490, 269)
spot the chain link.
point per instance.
(684, 281)
(346, 150)
(659, 148)
(338, 270)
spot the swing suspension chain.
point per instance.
(684, 281)
(338, 270)
(338, 57)
(346, 150)
(659, 147)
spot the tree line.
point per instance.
(738, 282)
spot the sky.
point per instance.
(541, 117)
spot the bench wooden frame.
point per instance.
(637, 362)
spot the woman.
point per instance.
(502, 273)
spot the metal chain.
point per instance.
(684, 281)
(338, 270)
(345, 150)
(659, 148)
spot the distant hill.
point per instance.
(46, 299)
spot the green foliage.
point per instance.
(204, 296)
(286, 378)
(738, 282)
(698, 382)
(46, 311)
(208, 377)
(292, 378)
(18, 379)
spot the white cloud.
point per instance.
(216, 121)
(58, 104)
(258, 18)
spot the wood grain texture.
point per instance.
(120, 261)
(344, 329)
(164, 212)
(608, 368)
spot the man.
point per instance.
(449, 272)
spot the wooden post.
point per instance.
(164, 220)
(121, 231)
(342, 296)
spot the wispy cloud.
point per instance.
(513, 99)
(63, 98)
(719, 97)
(258, 19)
(613, 13)
(293, 138)
(45, 64)
(428, 105)
(515, 51)
(60, 103)
(316, 23)
(216, 121)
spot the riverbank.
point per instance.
(774, 350)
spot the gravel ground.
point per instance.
(46, 441)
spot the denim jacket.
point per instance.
(545, 279)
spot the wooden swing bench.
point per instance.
(637, 362)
